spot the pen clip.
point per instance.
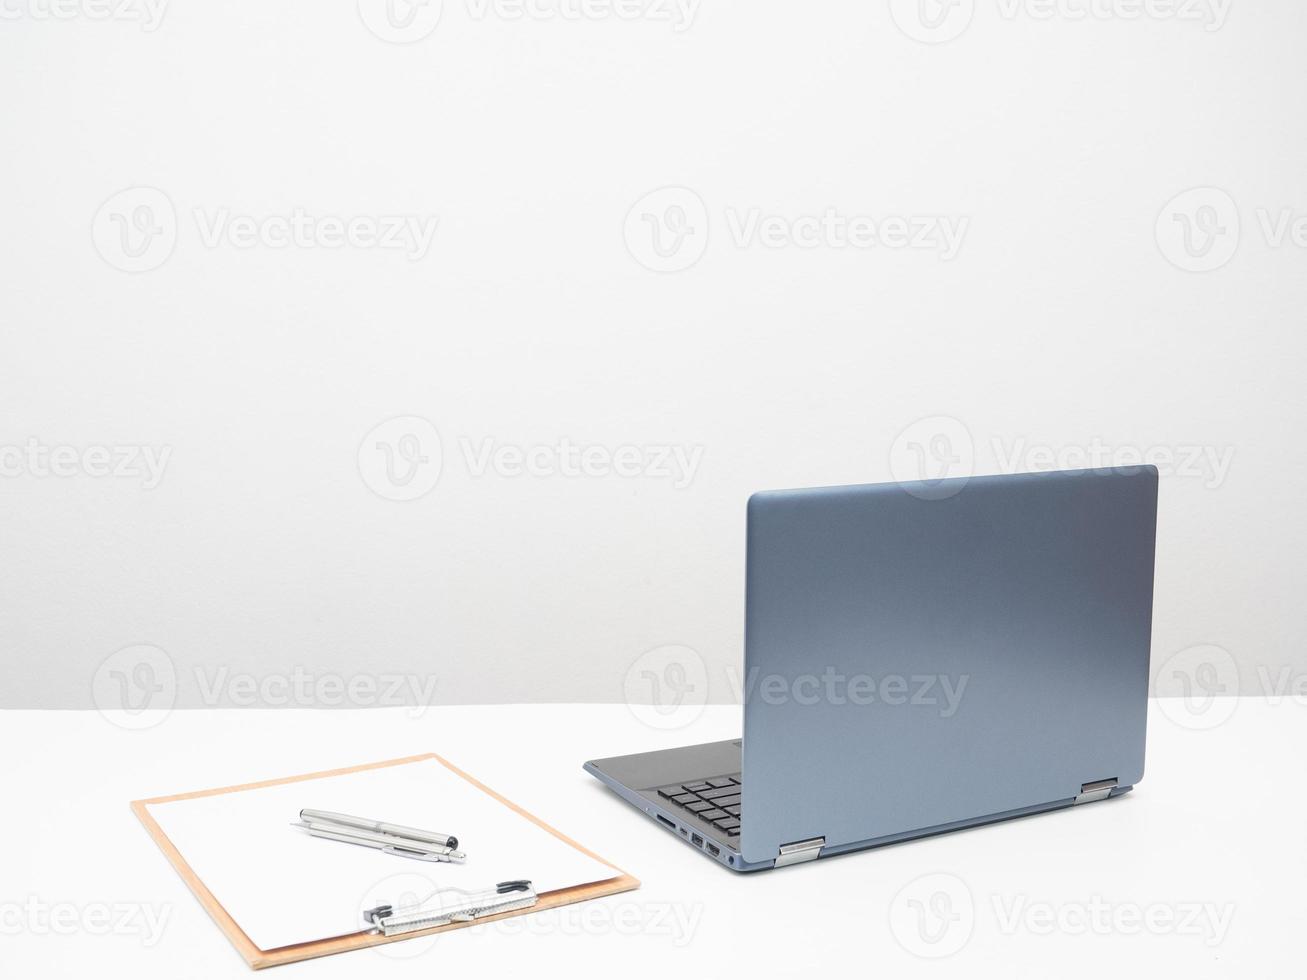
(400, 850)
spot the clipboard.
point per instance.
(261, 958)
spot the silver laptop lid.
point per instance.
(920, 654)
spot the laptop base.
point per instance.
(638, 778)
(709, 772)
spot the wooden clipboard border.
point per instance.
(258, 959)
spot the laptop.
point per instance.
(920, 658)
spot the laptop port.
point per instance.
(665, 820)
(696, 840)
(714, 850)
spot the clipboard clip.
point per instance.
(461, 906)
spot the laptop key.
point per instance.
(695, 787)
(727, 823)
(720, 782)
(669, 793)
(712, 816)
(684, 798)
(698, 807)
(732, 800)
(712, 794)
(732, 810)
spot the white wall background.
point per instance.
(1068, 319)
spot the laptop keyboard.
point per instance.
(716, 800)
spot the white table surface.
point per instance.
(1199, 872)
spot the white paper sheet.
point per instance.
(284, 887)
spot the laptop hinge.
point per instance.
(1089, 792)
(799, 851)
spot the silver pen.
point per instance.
(410, 842)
